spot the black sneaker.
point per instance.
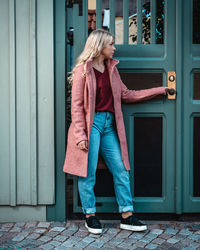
(93, 225)
(132, 223)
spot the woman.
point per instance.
(98, 126)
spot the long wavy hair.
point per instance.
(96, 41)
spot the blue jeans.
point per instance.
(104, 137)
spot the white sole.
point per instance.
(133, 228)
(93, 230)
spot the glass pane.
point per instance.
(119, 22)
(196, 157)
(196, 21)
(133, 22)
(148, 156)
(153, 21)
(138, 81)
(146, 17)
(91, 16)
(160, 21)
(196, 88)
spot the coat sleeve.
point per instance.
(129, 96)
(77, 104)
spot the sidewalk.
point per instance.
(73, 235)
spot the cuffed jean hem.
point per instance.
(89, 210)
(126, 209)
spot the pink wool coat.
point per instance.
(83, 109)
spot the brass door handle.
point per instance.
(171, 82)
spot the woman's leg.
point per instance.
(111, 153)
(86, 184)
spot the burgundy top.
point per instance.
(104, 96)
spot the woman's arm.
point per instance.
(128, 95)
(77, 101)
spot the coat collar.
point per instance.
(110, 62)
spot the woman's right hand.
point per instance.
(83, 145)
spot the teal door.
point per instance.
(151, 45)
(191, 106)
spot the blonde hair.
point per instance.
(96, 41)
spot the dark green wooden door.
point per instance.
(149, 38)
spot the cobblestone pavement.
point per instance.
(73, 235)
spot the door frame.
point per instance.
(178, 111)
(57, 212)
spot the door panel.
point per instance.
(146, 55)
(191, 106)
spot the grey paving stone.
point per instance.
(188, 248)
(52, 234)
(33, 236)
(172, 241)
(136, 235)
(165, 236)
(55, 243)
(8, 225)
(71, 241)
(57, 229)
(67, 232)
(151, 246)
(179, 236)
(171, 231)
(124, 234)
(31, 224)
(151, 236)
(194, 236)
(47, 246)
(45, 238)
(146, 240)
(88, 239)
(125, 244)
(4, 229)
(96, 244)
(11, 245)
(104, 238)
(81, 244)
(60, 248)
(60, 238)
(44, 224)
(40, 230)
(185, 232)
(194, 244)
(20, 224)
(73, 227)
(81, 234)
(196, 226)
(20, 236)
(166, 245)
(117, 241)
(16, 229)
(186, 241)
(58, 224)
(140, 243)
(158, 241)
(113, 231)
(156, 231)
